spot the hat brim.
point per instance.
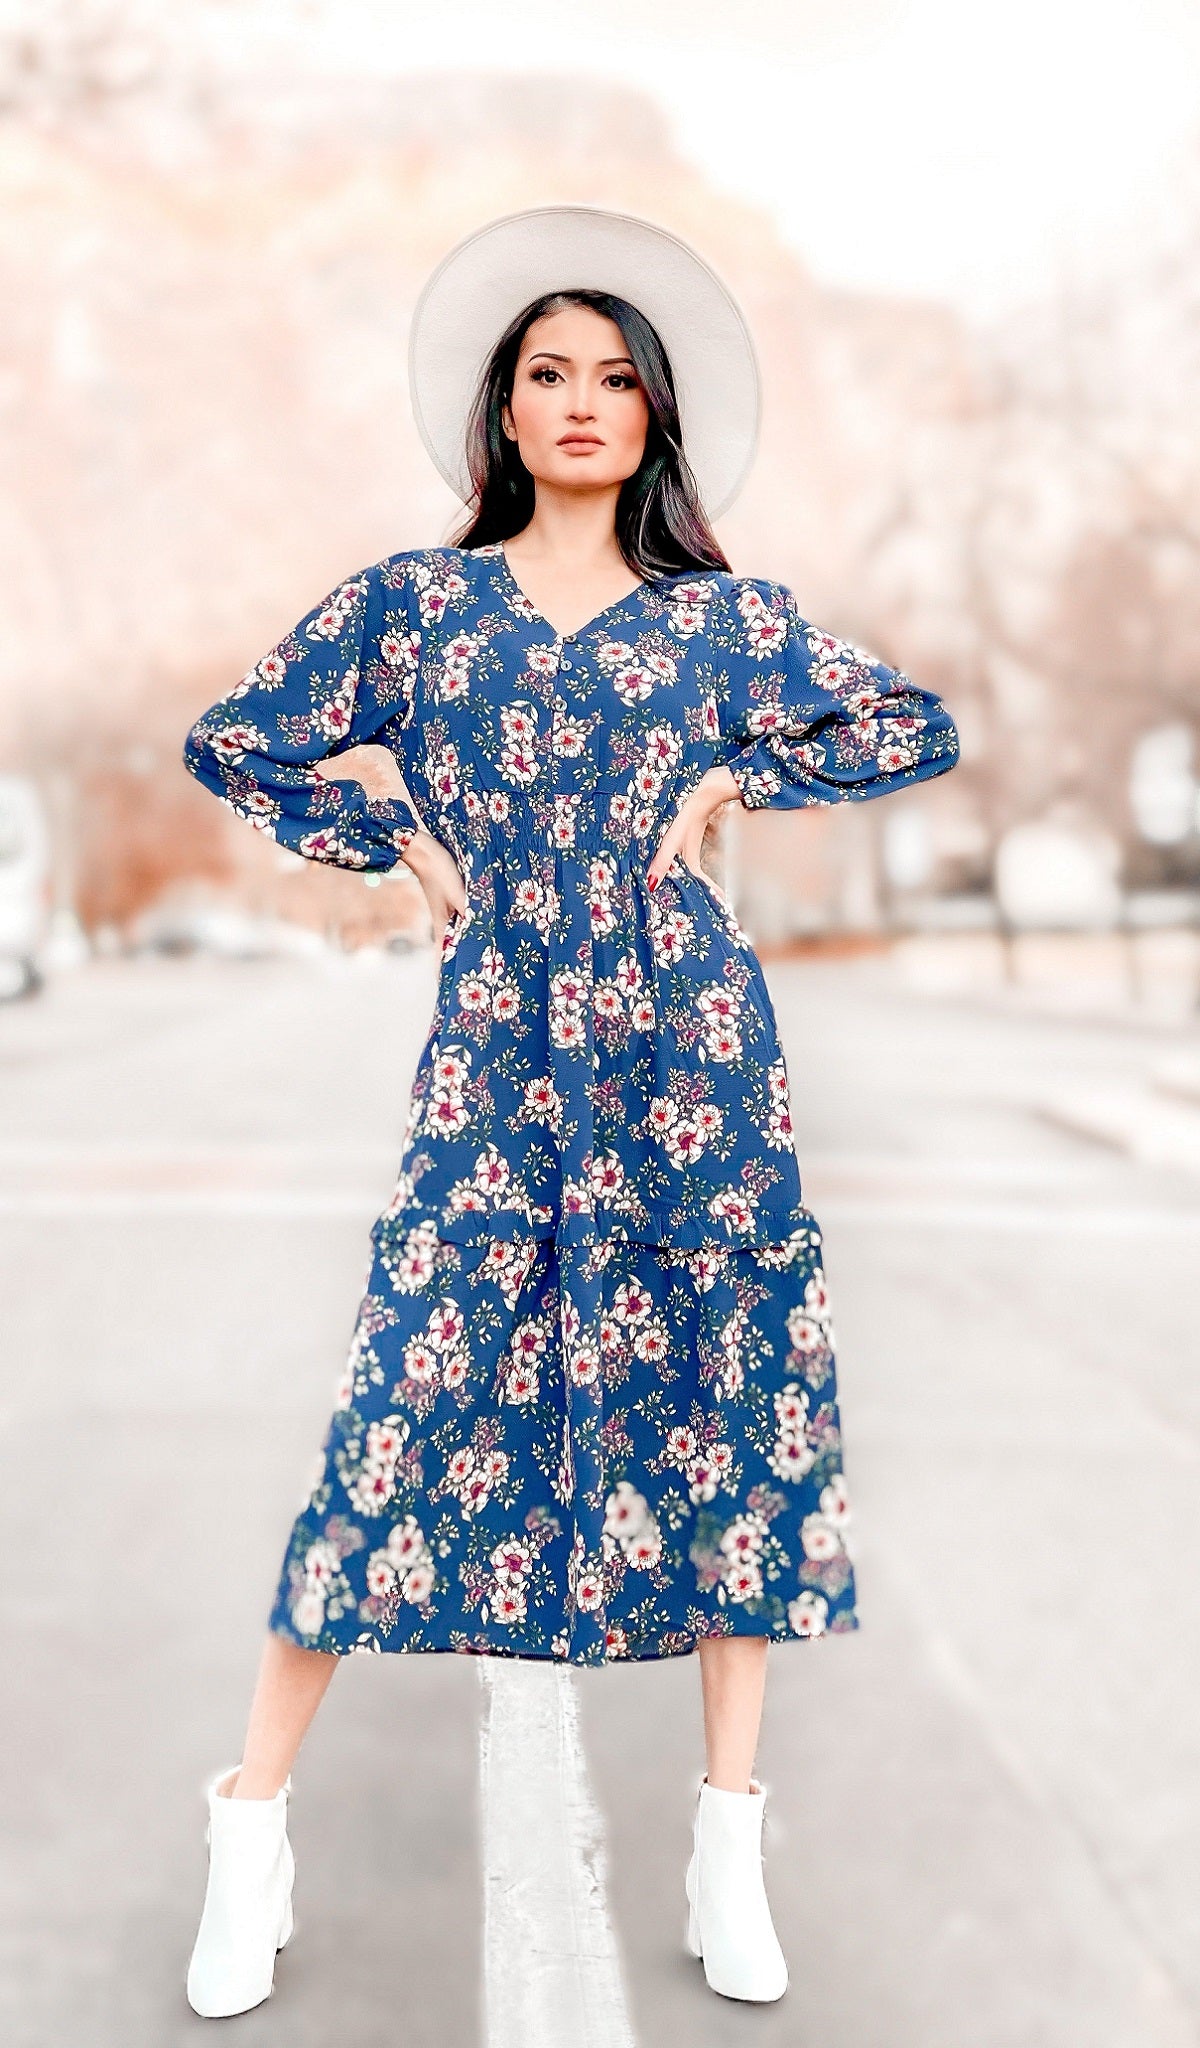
(486, 279)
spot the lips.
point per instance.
(580, 441)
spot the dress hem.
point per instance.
(846, 1623)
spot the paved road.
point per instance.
(985, 1805)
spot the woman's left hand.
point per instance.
(685, 834)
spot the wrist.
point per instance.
(419, 850)
(715, 789)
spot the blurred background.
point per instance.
(968, 245)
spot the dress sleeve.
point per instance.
(339, 676)
(814, 720)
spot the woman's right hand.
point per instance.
(440, 877)
(433, 864)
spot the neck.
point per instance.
(575, 528)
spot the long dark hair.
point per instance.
(660, 522)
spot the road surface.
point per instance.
(984, 1806)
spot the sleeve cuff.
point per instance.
(756, 784)
(391, 825)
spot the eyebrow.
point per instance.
(556, 358)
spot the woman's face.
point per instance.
(579, 412)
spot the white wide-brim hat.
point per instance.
(487, 278)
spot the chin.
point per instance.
(583, 473)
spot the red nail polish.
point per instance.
(652, 881)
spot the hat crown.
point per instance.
(489, 277)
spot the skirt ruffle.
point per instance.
(587, 1452)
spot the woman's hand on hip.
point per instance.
(440, 877)
(433, 864)
(685, 834)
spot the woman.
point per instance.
(589, 1411)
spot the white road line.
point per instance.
(120, 1155)
(1080, 1219)
(551, 1967)
(191, 1202)
(118, 1152)
(1109, 1220)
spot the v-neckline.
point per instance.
(496, 550)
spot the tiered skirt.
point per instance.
(590, 1452)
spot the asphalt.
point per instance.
(984, 1806)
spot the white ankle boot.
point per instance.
(729, 1921)
(247, 1913)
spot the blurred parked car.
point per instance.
(188, 920)
(24, 886)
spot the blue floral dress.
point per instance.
(589, 1410)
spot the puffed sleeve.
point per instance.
(815, 720)
(343, 672)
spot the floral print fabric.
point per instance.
(590, 1410)
(581, 1452)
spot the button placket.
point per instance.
(562, 667)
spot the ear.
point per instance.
(506, 422)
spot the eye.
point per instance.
(623, 379)
(543, 373)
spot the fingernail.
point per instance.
(652, 881)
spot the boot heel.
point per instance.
(287, 1929)
(692, 1938)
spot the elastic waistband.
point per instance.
(601, 786)
(564, 820)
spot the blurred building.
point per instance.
(204, 425)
